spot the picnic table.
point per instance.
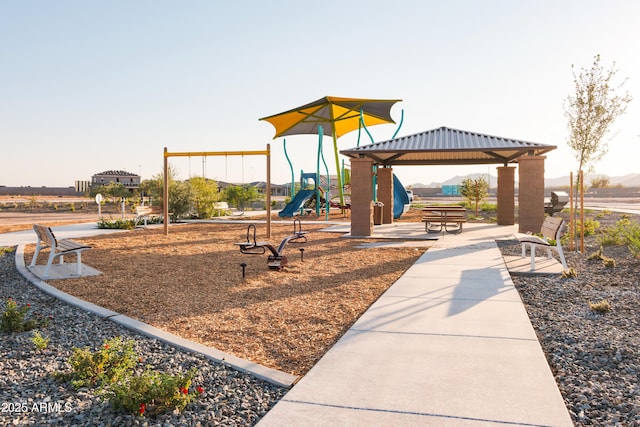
(438, 218)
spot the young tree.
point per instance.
(475, 190)
(204, 193)
(240, 196)
(591, 112)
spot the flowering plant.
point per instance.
(16, 319)
(153, 392)
(111, 368)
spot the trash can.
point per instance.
(377, 213)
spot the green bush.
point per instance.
(624, 232)
(105, 366)
(41, 342)
(16, 319)
(119, 224)
(111, 368)
(153, 392)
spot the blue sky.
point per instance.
(88, 86)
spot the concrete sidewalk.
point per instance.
(449, 344)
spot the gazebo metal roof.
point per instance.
(446, 146)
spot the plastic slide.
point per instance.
(400, 198)
(294, 206)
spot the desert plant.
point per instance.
(600, 307)
(6, 250)
(17, 319)
(40, 341)
(119, 224)
(153, 392)
(475, 191)
(111, 363)
(570, 273)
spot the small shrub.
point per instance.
(16, 319)
(569, 274)
(600, 307)
(41, 342)
(616, 234)
(599, 255)
(153, 392)
(119, 224)
(111, 363)
(6, 250)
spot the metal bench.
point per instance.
(57, 249)
(552, 228)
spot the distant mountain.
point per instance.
(457, 180)
(629, 180)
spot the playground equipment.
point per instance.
(276, 259)
(301, 197)
(167, 154)
(401, 202)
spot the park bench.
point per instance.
(57, 248)
(444, 216)
(221, 208)
(552, 228)
(146, 212)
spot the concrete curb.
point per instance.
(262, 372)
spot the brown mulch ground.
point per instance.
(190, 283)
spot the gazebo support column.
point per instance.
(385, 193)
(361, 197)
(531, 193)
(506, 195)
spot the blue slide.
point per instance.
(294, 206)
(400, 198)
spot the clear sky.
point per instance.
(89, 86)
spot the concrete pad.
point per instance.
(398, 230)
(519, 266)
(64, 271)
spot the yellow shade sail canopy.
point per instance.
(337, 116)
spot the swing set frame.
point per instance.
(167, 154)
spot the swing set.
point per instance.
(167, 154)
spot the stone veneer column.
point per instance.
(531, 193)
(361, 197)
(506, 195)
(385, 193)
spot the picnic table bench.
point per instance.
(444, 217)
(552, 228)
(57, 248)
